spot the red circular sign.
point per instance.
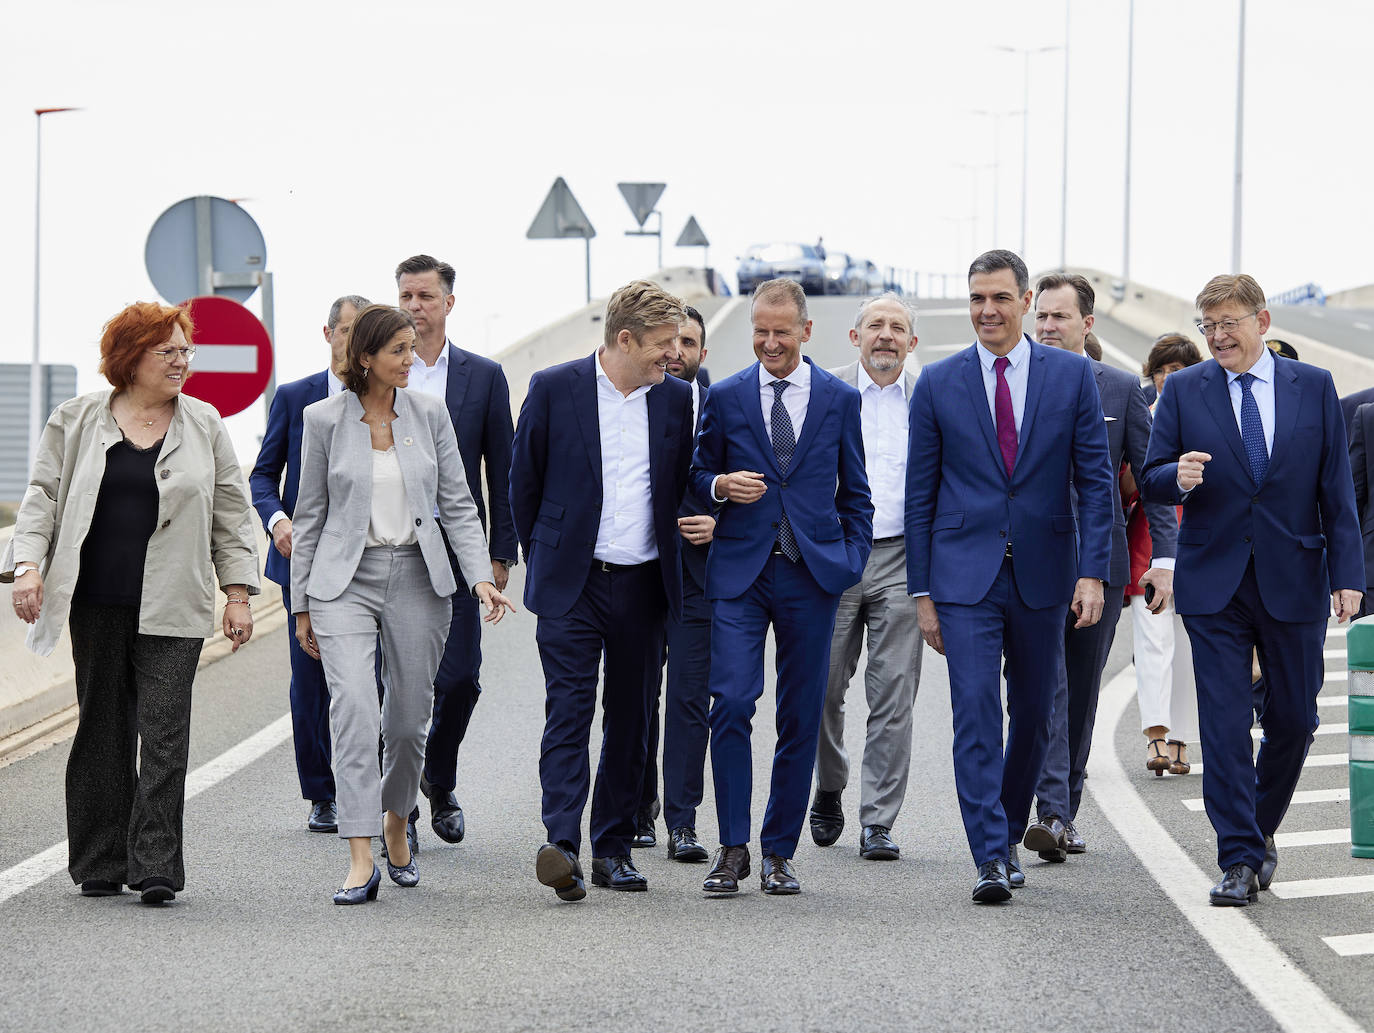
(233, 355)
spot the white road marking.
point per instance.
(1323, 887)
(1325, 728)
(51, 861)
(1352, 945)
(718, 320)
(1360, 324)
(1318, 837)
(1331, 677)
(1332, 701)
(1281, 988)
(1301, 796)
(1337, 630)
(1314, 760)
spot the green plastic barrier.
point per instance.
(1360, 655)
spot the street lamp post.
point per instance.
(1240, 143)
(1130, 87)
(36, 416)
(1064, 159)
(1026, 53)
(973, 170)
(996, 117)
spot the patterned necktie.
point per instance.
(784, 443)
(1252, 429)
(1006, 418)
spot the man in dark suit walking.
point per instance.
(598, 473)
(1000, 434)
(474, 389)
(275, 501)
(687, 696)
(1255, 452)
(1362, 469)
(781, 448)
(1063, 318)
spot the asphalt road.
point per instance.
(255, 943)
(1350, 329)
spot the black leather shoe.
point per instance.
(1046, 837)
(101, 888)
(556, 867)
(618, 873)
(732, 864)
(1073, 842)
(645, 835)
(324, 816)
(1015, 875)
(777, 876)
(1239, 886)
(412, 837)
(684, 846)
(1267, 866)
(445, 816)
(993, 885)
(876, 844)
(827, 817)
(156, 891)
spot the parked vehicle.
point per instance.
(842, 275)
(798, 262)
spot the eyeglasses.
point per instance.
(1229, 326)
(169, 355)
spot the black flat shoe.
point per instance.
(557, 867)
(777, 877)
(684, 846)
(617, 873)
(732, 865)
(324, 817)
(827, 817)
(360, 894)
(1267, 866)
(156, 891)
(645, 835)
(876, 844)
(992, 886)
(101, 888)
(1015, 876)
(445, 816)
(1239, 886)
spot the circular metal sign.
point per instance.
(235, 247)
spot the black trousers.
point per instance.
(126, 775)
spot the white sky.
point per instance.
(360, 133)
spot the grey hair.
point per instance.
(356, 300)
(782, 290)
(907, 307)
(996, 261)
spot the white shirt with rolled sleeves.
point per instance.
(883, 412)
(626, 533)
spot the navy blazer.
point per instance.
(1299, 523)
(478, 400)
(694, 556)
(281, 450)
(962, 508)
(824, 493)
(556, 488)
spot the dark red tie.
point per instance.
(1006, 419)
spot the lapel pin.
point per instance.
(408, 441)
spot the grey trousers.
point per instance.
(879, 602)
(390, 594)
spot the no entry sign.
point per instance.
(233, 355)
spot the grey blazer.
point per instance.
(850, 374)
(334, 506)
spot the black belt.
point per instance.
(888, 541)
(616, 568)
(777, 551)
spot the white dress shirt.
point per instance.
(883, 413)
(626, 533)
(1017, 374)
(1262, 387)
(432, 380)
(696, 404)
(333, 385)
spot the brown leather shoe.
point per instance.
(778, 876)
(732, 864)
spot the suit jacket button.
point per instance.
(775, 523)
(166, 474)
(783, 484)
(1011, 494)
(166, 524)
(1001, 534)
(1246, 538)
(418, 521)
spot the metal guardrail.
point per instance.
(1307, 294)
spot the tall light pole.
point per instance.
(1130, 86)
(1064, 159)
(996, 117)
(973, 171)
(36, 416)
(1026, 53)
(1240, 143)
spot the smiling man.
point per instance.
(999, 433)
(598, 473)
(781, 450)
(1269, 546)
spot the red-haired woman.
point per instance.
(135, 509)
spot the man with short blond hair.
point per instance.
(598, 473)
(1269, 546)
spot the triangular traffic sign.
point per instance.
(691, 235)
(560, 216)
(641, 197)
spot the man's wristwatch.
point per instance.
(20, 569)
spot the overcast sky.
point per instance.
(360, 133)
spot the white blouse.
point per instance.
(389, 522)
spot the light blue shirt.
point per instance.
(1262, 387)
(1017, 374)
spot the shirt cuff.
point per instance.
(1163, 563)
(714, 496)
(1185, 492)
(919, 595)
(272, 520)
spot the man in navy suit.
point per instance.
(474, 389)
(1063, 319)
(781, 448)
(598, 473)
(275, 502)
(1255, 452)
(1000, 433)
(687, 697)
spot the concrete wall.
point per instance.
(1355, 297)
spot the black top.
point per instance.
(125, 517)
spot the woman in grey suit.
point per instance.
(377, 464)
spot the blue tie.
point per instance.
(1252, 430)
(784, 443)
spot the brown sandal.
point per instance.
(1159, 761)
(1177, 765)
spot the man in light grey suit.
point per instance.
(1063, 317)
(885, 334)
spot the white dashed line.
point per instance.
(1323, 887)
(1319, 837)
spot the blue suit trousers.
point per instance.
(309, 716)
(456, 685)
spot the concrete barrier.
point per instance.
(1355, 297)
(1359, 643)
